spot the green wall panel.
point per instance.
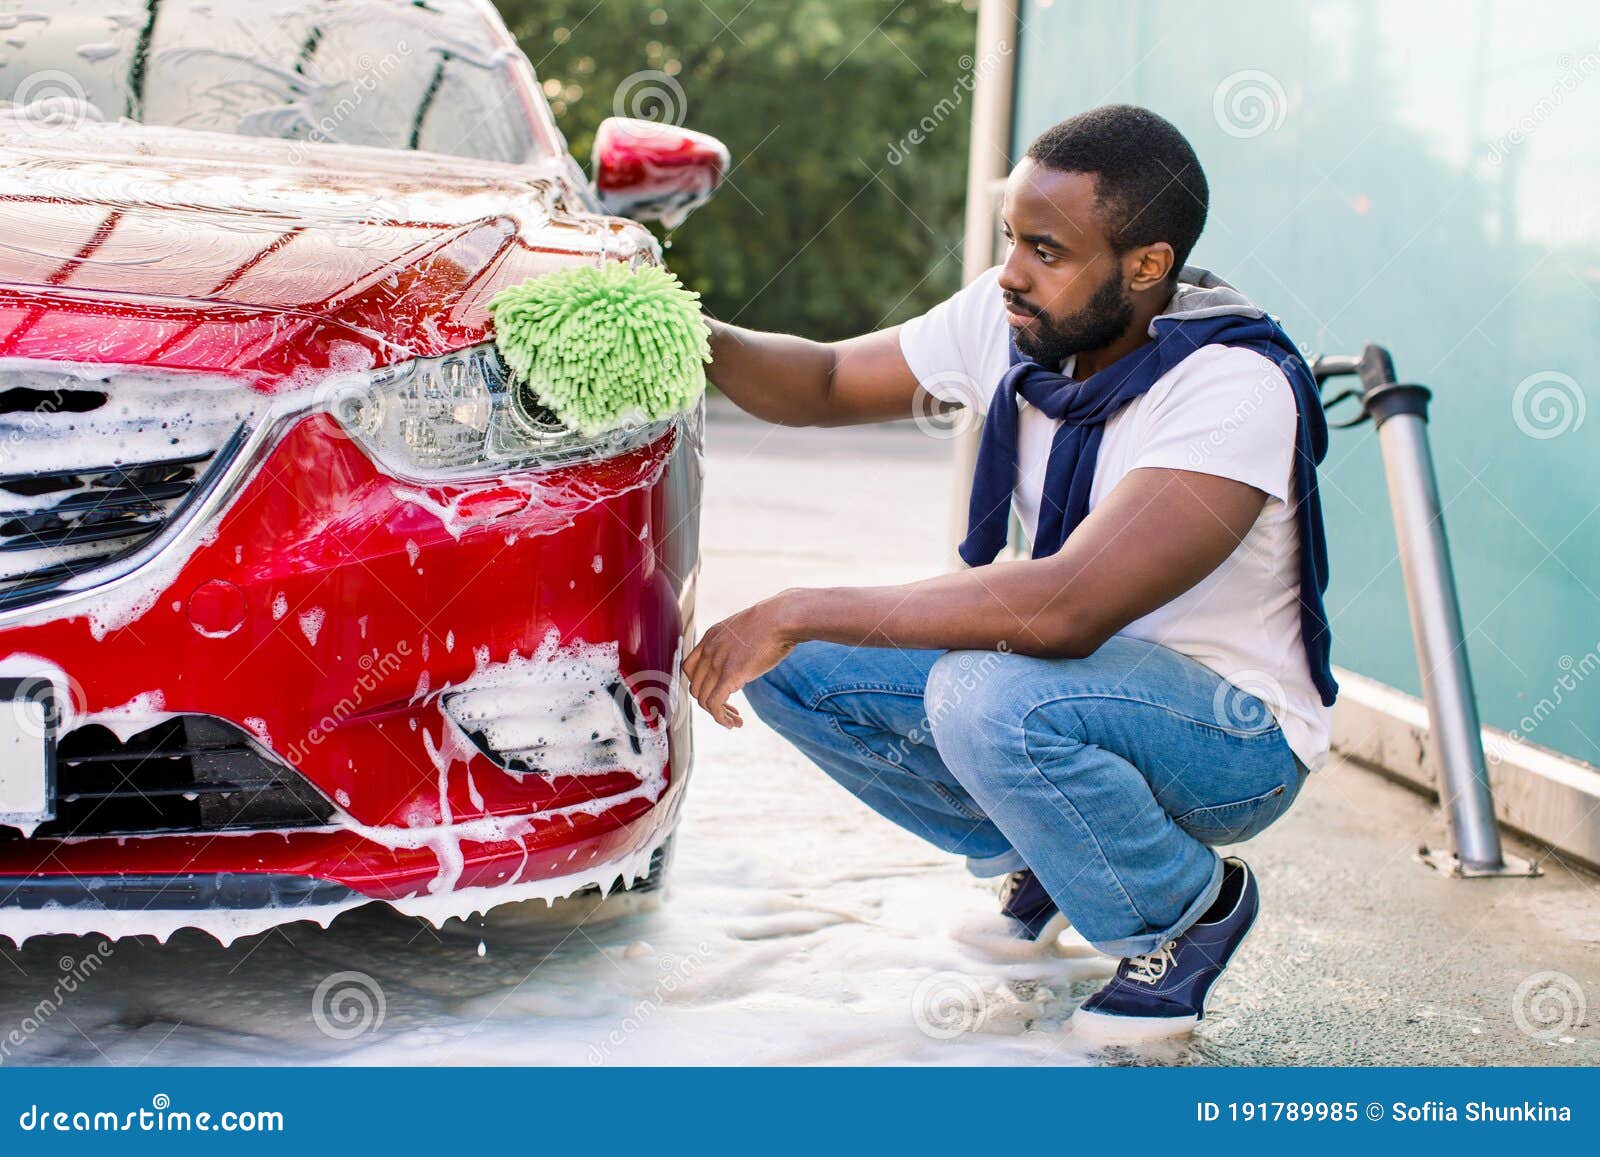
(1426, 176)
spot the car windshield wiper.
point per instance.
(138, 64)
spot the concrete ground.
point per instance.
(1362, 955)
(800, 928)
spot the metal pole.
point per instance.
(988, 165)
(1437, 629)
(1400, 413)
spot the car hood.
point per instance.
(272, 259)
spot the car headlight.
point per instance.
(460, 415)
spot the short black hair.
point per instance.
(1148, 177)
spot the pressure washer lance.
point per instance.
(1399, 412)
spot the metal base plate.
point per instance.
(1447, 862)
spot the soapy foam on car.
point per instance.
(568, 704)
(140, 713)
(311, 624)
(143, 417)
(126, 602)
(545, 686)
(559, 504)
(115, 605)
(593, 663)
(226, 926)
(199, 409)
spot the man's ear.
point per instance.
(1148, 266)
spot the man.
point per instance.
(1154, 681)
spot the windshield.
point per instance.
(385, 73)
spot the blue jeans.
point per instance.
(1111, 777)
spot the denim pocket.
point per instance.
(1233, 823)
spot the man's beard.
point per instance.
(1051, 341)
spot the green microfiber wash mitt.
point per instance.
(604, 346)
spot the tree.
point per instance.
(834, 220)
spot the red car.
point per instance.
(303, 603)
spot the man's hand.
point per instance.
(735, 651)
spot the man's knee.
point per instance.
(979, 702)
(967, 697)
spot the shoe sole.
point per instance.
(1103, 1028)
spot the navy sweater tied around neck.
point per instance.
(1083, 407)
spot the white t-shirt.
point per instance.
(1228, 412)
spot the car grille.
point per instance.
(191, 773)
(93, 468)
(651, 881)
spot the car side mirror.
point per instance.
(651, 171)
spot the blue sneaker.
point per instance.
(1028, 906)
(1163, 993)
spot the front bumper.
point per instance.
(335, 614)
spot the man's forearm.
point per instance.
(796, 382)
(776, 377)
(1022, 607)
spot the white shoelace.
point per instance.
(1152, 966)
